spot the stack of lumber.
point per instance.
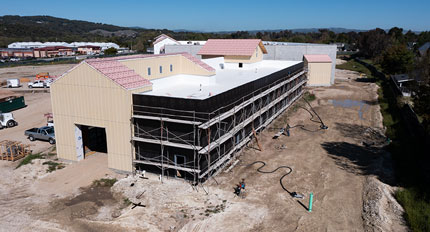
(13, 150)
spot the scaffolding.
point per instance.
(207, 141)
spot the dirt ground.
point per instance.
(31, 116)
(343, 166)
(38, 103)
(31, 71)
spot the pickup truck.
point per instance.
(44, 133)
(7, 120)
(37, 84)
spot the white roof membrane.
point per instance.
(202, 87)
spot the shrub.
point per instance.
(29, 158)
(105, 182)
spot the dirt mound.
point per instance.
(381, 211)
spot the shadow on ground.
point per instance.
(362, 134)
(361, 160)
(366, 79)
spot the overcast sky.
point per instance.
(219, 15)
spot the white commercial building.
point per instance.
(22, 45)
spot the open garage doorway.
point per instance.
(89, 140)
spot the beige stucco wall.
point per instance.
(141, 65)
(181, 65)
(189, 67)
(86, 97)
(319, 74)
(256, 56)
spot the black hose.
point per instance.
(303, 126)
(266, 172)
(323, 126)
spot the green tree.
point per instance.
(397, 59)
(397, 34)
(110, 51)
(422, 106)
(372, 43)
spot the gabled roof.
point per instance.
(318, 58)
(126, 77)
(119, 73)
(163, 37)
(423, 49)
(402, 78)
(231, 47)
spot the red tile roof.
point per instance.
(128, 78)
(89, 46)
(198, 62)
(119, 73)
(233, 47)
(52, 48)
(318, 58)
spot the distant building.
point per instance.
(102, 45)
(239, 51)
(53, 51)
(160, 41)
(402, 82)
(192, 42)
(158, 46)
(89, 50)
(14, 52)
(340, 47)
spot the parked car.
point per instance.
(7, 120)
(37, 84)
(15, 59)
(48, 82)
(13, 83)
(44, 133)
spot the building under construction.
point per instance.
(173, 114)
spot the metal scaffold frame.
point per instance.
(213, 138)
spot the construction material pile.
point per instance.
(13, 150)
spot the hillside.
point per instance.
(45, 28)
(22, 26)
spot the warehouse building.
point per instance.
(27, 45)
(16, 52)
(158, 46)
(172, 114)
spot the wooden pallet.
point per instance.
(13, 150)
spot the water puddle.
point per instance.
(348, 103)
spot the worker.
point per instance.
(242, 184)
(237, 190)
(288, 130)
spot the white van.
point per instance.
(13, 83)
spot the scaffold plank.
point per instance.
(167, 119)
(166, 166)
(167, 143)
